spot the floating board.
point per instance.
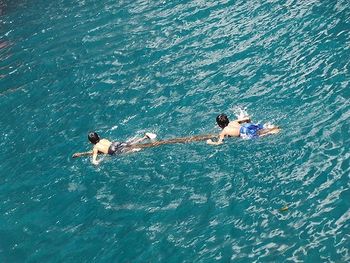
(158, 143)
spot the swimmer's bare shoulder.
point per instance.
(104, 141)
(102, 146)
(232, 129)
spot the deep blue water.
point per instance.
(126, 67)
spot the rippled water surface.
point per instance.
(126, 67)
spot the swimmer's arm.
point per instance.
(243, 120)
(94, 156)
(219, 141)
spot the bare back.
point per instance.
(232, 129)
(102, 146)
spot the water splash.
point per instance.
(240, 112)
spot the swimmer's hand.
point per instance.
(95, 162)
(210, 141)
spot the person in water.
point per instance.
(107, 147)
(241, 128)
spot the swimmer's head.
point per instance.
(222, 120)
(93, 137)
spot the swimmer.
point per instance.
(241, 128)
(107, 147)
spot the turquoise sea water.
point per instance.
(126, 67)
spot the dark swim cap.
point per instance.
(222, 120)
(93, 137)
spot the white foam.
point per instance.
(240, 112)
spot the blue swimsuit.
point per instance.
(250, 130)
